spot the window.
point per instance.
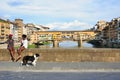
(2, 26)
(2, 37)
(2, 30)
(2, 34)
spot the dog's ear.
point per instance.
(37, 55)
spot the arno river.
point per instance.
(64, 44)
(72, 44)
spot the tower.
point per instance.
(20, 25)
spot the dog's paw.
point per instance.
(34, 64)
(27, 65)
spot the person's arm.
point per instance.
(13, 43)
(21, 43)
(6, 42)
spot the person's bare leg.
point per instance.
(14, 53)
(19, 53)
(11, 54)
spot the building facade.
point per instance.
(5, 29)
(20, 27)
(110, 33)
(32, 31)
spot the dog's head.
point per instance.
(37, 55)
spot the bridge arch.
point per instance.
(68, 44)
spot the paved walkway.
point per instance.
(60, 71)
(62, 67)
(6, 75)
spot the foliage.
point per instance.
(31, 46)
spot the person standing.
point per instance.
(10, 47)
(23, 46)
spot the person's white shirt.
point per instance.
(25, 43)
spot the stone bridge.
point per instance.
(58, 36)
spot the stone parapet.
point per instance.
(70, 55)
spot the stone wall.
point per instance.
(69, 55)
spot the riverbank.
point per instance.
(102, 44)
(96, 43)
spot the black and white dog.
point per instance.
(30, 60)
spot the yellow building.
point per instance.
(49, 35)
(4, 29)
(33, 38)
(85, 35)
(20, 26)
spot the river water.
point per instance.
(72, 44)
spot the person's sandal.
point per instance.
(13, 59)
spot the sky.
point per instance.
(61, 14)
